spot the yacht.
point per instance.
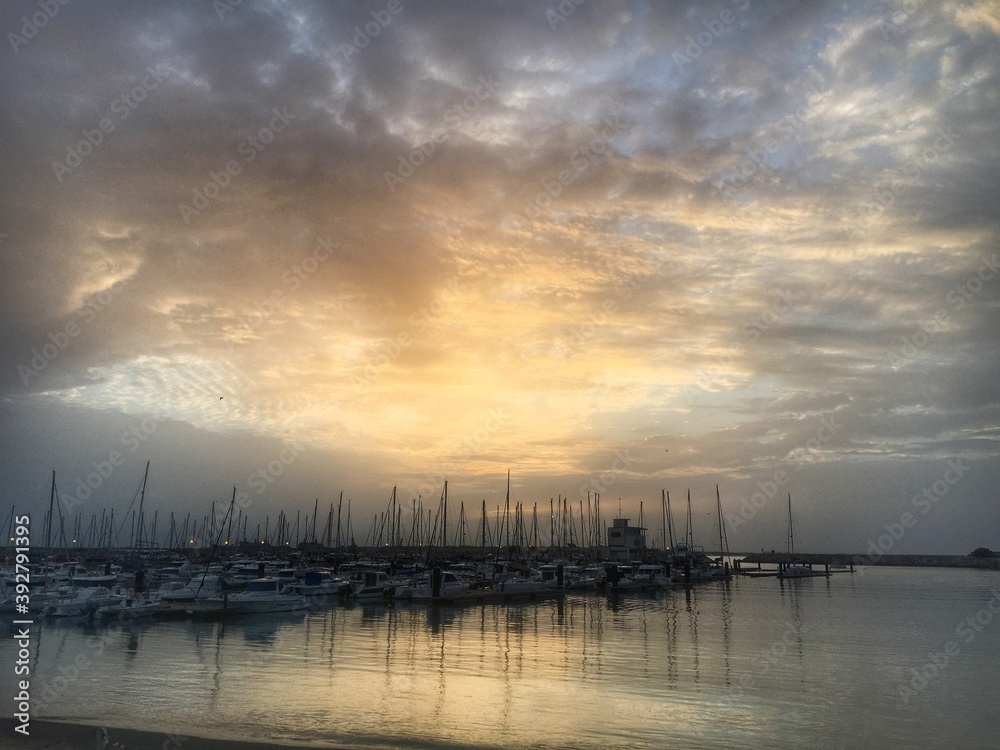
(545, 578)
(373, 585)
(199, 587)
(318, 583)
(266, 595)
(84, 601)
(447, 585)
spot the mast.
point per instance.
(718, 505)
(142, 497)
(48, 526)
(791, 535)
(552, 525)
(340, 504)
(444, 516)
(689, 537)
(483, 541)
(500, 530)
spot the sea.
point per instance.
(878, 658)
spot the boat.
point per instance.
(266, 595)
(641, 577)
(441, 584)
(692, 565)
(795, 569)
(547, 577)
(83, 578)
(134, 609)
(319, 583)
(689, 564)
(198, 587)
(587, 578)
(652, 575)
(374, 585)
(82, 602)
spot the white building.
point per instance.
(625, 541)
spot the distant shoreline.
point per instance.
(56, 734)
(908, 561)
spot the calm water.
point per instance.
(819, 663)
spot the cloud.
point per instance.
(614, 239)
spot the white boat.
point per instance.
(266, 595)
(82, 602)
(448, 585)
(692, 565)
(374, 585)
(797, 570)
(39, 600)
(86, 579)
(543, 580)
(133, 609)
(652, 574)
(320, 583)
(197, 588)
(589, 578)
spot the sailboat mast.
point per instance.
(791, 535)
(48, 526)
(718, 505)
(689, 536)
(142, 497)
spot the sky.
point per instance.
(305, 248)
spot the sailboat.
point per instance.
(690, 564)
(794, 570)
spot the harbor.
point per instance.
(738, 663)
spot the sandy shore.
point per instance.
(58, 735)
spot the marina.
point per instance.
(390, 375)
(738, 663)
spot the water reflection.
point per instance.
(747, 663)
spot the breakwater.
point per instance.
(912, 561)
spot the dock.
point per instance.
(788, 567)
